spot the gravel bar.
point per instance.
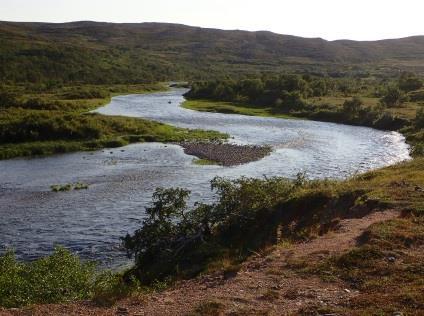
(226, 154)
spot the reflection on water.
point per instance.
(90, 222)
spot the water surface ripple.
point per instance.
(90, 222)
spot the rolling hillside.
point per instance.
(120, 53)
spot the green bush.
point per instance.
(393, 96)
(174, 240)
(57, 278)
(351, 108)
(85, 93)
(419, 119)
(110, 287)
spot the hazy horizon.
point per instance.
(331, 20)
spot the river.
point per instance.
(122, 180)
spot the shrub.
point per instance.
(110, 287)
(57, 278)
(8, 99)
(409, 82)
(85, 93)
(393, 97)
(419, 119)
(176, 241)
(352, 107)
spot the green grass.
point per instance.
(232, 108)
(204, 162)
(400, 186)
(69, 187)
(78, 97)
(144, 131)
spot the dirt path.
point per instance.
(265, 285)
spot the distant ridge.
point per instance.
(154, 51)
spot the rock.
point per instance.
(121, 311)
(397, 314)
(418, 188)
(347, 290)
(391, 259)
(229, 274)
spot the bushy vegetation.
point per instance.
(54, 121)
(174, 240)
(90, 52)
(57, 278)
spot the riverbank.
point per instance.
(344, 234)
(39, 123)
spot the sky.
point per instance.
(328, 19)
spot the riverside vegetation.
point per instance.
(41, 120)
(390, 104)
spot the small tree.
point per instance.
(409, 82)
(419, 119)
(174, 240)
(393, 97)
(289, 101)
(163, 244)
(352, 107)
(8, 99)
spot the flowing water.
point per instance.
(122, 180)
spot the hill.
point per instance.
(97, 52)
